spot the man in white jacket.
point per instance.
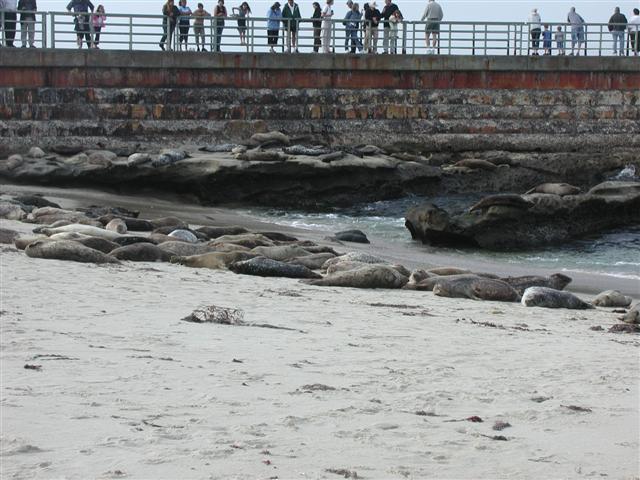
(633, 26)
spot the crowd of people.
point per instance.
(361, 27)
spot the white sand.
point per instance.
(128, 390)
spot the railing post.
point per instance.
(449, 38)
(599, 42)
(404, 38)
(53, 30)
(130, 33)
(43, 33)
(485, 39)
(473, 40)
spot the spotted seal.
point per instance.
(117, 225)
(67, 250)
(368, 276)
(213, 260)
(475, 288)
(612, 298)
(560, 189)
(550, 298)
(502, 200)
(557, 281)
(265, 267)
(141, 252)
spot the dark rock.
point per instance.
(278, 236)
(355, 236)
(36, 201)
(68, 150)
(625, 328)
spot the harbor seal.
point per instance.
(560, 189)
(101, 244)
(418, 275)
(213, 260)
(355, 236)
(184, 235)
(550, 298)
(557, 281)
(134, 224)
(249, 240)
(313, 261)
(353, 265)
(426, 284)
(215, 232)
(141, 252)
(502, 200)
(67, 250)
(37, 201)
(633, 315)
(355, 257)
(125, 240)
(84, 229)
(23, 242)
(168, 222)
(265, 267)
(368, 276)
(612, 298)
(446, 271)
(12, 211)
(8, 236)
(282, 253)
(184, 249)
(117, 225)
(476, 164)
(478, 288)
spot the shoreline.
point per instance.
(410, 255)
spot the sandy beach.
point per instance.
(361, 384)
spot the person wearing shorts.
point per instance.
(433, 15)
(198, 26)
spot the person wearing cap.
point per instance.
(372, 16)
(433, 14)
(387, 12)
(346, 23)
(290, 17)
(327, 13)
(273, 26)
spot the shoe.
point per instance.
(161, 45)
(297, 51)
(23, 46)
(32, 46)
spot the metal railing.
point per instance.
(151, 32)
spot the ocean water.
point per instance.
(616, 252)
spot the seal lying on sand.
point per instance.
(282, 253)
(476, 163)
(557, 281)
(633, 315)
(561, 189)
(141, 252)
(215, 232)
(550, 298)
(117, 225)
(265, 267)
(612, 298)
(313, 261)
(101, 244)
(214, 260)
(184, 235)
(84, 229)
(427, 283)
(66, 250)
(7, 235)
(369, 276)
(352, 265)
(478, 288)
(353, 257)
(184, 249)
(131, 239)
(249, 240)
(445, 271)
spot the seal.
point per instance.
(141, 252)
(168, 222)
(8, 236)
(117, 225)
(502, 200)
(278, 236)
(215, 232)
(249, 240)
(353, 265)
(355, 236)
(476, 164)
(23, 242)
(183, 249)
(265, 267)
(478, 288)
(355, 257)
(426, 284)
(446, 271)
(213, 260)
(561, 189)
(184, 235)
(368, 276)
(101, 244)
(557, 281)
(633, 315)
(36, 201)
(134, 224)
(125, 240)
(282, 253)
(272, 138)
(612, 298)
(418, 275)
(11, 211)
(313, 261)
(550, 298)
(84, 229)
(66, 250)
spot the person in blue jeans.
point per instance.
(617, 26)
(546, 40)
(352, 23)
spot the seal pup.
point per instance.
(557, 281)
(368, 276)
(141, 252)
(265, 267)
(550, 298)
(213, 260)
(66, 250)
(117, 225)
(478, 288)
(560, 189)
(612, 298)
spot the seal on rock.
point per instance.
(557, 281)
(550, 298)
(612, 298)
(476, 164)
(502, 200)
(213, 260)
(117, 225)
(67, 250)
(368, 276)
(560, 189)
(141, 252)
(265, 267)
(478, 288)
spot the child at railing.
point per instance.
(98, 20)
(546, 40)
(560, 41)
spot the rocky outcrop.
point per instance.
(507, 221)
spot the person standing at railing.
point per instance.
(346, 32)
(577, 30)
(99, 21)
(273, 26)
(634, 31)
(559, 38)
(82, 20)
(317, 26)
(394, 21)
(387, 11)
(617, 26)
(9, 7)
(327, 14)
(198, 26)
(352, 22)
(546, 39)
(170, 17)
(184, 23)
(290, 18)
(535, 28)
(220, 13)
(27, 9)
(241, 13)
(372, 17)
(433, 14)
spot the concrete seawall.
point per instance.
(435, 102)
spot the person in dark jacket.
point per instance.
(220, 13)
(27, 22)
(9, 24)
(617, 26)
(82, 20)
(372, 16)
(171, 15)
(317, 26)
(387, 12)
(290, 18)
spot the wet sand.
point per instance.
(375, 382)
